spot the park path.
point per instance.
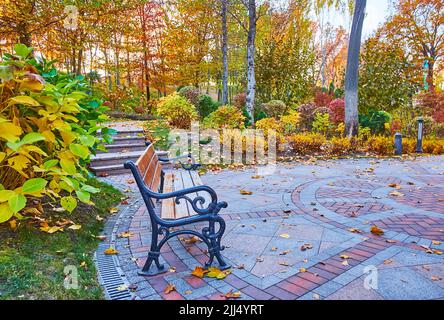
(304, 233)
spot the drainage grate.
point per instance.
(109, 276)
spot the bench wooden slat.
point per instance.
(145, 159)
(181, 208)
(188, 183)
(156, 179)
(168, 205)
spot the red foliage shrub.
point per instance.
(322, 99)
(337, 110)
(433, 105)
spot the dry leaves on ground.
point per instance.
(245, 192)
(199, 272)
(232, 295)
(306, 246)
(126, 234)
(110, 251)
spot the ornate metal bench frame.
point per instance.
(208, 235)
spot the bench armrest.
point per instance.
(213, 207)
(190, 165)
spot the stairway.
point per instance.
(127, 145)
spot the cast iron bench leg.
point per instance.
(215, 239)
(153, 256)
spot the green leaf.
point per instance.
(68, 166)
(50, 163)
(84, 196)
(5, 212)
(87, 140)
(27, 139)
(5, 195)
(21, 50)
(17, 202)
(69, 203)
(79, 150)
(90, 189)
(34, 185)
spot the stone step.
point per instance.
(119, 158)
(113, 148)
(112, 163)
(129, 140)
(129, 133)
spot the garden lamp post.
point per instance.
(420, 135)
(398, 144)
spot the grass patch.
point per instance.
(32, 262)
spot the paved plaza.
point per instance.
(303, 233)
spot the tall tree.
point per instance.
(352, 70)
(251, 78)
(224, 53)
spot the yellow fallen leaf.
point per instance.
(192, 239)
(388, 261)
(75, 227)
(345, 263)
(284, 235)
(302, 270)
(122, 287)
(396, 194)
(110, 251)
(188, 292)
(245, 192)
(436, 278)
(99, 218)
(113, 210)
(199, 272)
(435, 242)
(256, 177)
(169, 288)
(125, 234)
(344, 256)
(232, 295)
(214, 272)
(354, 230)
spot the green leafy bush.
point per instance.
(377, 121)
(206, 105)
(177, 110)
(322, 124)
(228, 117)
(48, 124)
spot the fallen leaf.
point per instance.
(316, 296)
(284, 235)
(83, 264)
(388, 261)
(214, 272)
(354, 230)
(122, 287)
(199, 272)
(435, 242)
(306, 246)
(133, 287)
(113, 210)
(344, 256)
(376, 230)
(274, 249)
(110, 251)
(302, 270)
(172, 269)
(188, 292)
(390, 241)
(192, 239)
(259, 259)
(99, 218)
(396, 194)
(283, 263)
(436, 278)
(283, 253)
(129, 181)
(232, 295)
(125, 234)
(75, 227)
(240, 267)
(345, 263)
(256, 177)
(101, 238)
(245, 192)
(169, 288)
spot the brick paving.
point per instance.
(311, 204)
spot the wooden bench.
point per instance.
(183, 200)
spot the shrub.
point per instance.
(306, 112)
(48, 124)
(322, 99)
(307, 143)
(321, 123)
(228, 117)
(240, 100)
(206, 105)
(177, 110)
(290, 122)
(274, 108)
(342, 146)
(267, 124)
(377, 121)
(411, 129)
(433, 146)
(191, 94)
(433, 104)
(380, 145)
(337, 110)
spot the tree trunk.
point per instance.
(224, 53)
(352, 71)
(430, 75)
(251, 80)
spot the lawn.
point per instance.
(32, 262)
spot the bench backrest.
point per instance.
(150, 169)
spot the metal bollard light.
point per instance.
(420, 135)
(398, 144)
